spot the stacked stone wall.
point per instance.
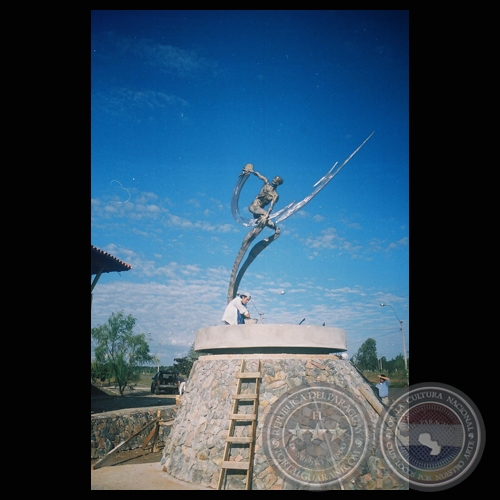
(194, 448)
(108, 430)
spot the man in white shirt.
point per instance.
(383, 388)
(182, 385)
(236, 312)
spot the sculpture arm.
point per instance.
(260, 176)
(248, 169)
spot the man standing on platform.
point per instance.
(236, 310)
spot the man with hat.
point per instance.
(236, 310)
(383, 388)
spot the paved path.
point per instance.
(137, 477)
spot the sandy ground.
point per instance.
(135, 470)
(137, 477)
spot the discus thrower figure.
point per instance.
(263, 217)
(267, 196)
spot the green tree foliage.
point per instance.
(383, 363)
(366, 357)
(119, 351)
(184, 365)
(99, 372)
(395, 365)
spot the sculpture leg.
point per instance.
(258, 247)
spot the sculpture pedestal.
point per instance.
(319, 397)
(270, 339)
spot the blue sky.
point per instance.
(182, 100)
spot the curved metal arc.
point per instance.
(250, 236)
(257, 248)
(320, 185)
(292, 208)
(234, 200)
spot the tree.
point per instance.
(383, 363)
(366, 358)
(184, 365)
(120, 351)
(99, 371)
(399, 363)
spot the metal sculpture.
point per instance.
(262, 218)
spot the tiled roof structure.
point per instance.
(103, 262)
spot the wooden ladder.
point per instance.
(234, 417)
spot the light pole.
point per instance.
(159, 362)
(402, 333)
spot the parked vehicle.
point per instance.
(164, 382)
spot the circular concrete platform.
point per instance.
(255, 338)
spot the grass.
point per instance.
(145, 380)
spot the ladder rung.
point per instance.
(248, 375)
(239, 440)
(245, 396)
(242, 416)
(249, 417)
(235, 465)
